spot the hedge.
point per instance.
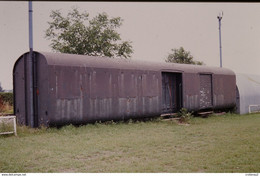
(6, 98)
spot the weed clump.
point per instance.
(184, 115)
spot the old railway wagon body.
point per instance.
(79, 89)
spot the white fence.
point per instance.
(14, 124)
(257, 108)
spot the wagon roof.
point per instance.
(121, 63)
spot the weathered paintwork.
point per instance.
(80, 89)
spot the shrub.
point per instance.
(6, 98)
(6, 103)
(184, 115)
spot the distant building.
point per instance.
(8, 91)
(248, 94)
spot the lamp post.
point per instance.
(220, 47)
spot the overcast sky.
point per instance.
(153, 27)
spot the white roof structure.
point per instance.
(248, 93)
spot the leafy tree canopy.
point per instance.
(77, 34)
(181, 56)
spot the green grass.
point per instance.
(229, 143)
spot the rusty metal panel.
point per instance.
(205, 91)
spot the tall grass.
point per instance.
(229, 143)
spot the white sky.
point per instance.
(153, 27)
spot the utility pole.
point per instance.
(30, 27)
(30, 114)
(220, 47)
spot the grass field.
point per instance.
(221, 144)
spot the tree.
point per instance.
(77, 34)
(1, 89)
(181, 56)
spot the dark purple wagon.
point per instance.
(77, 89)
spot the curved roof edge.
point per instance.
(102, 62)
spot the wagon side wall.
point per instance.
(84, 94)
(191, 91)
(223, 89)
